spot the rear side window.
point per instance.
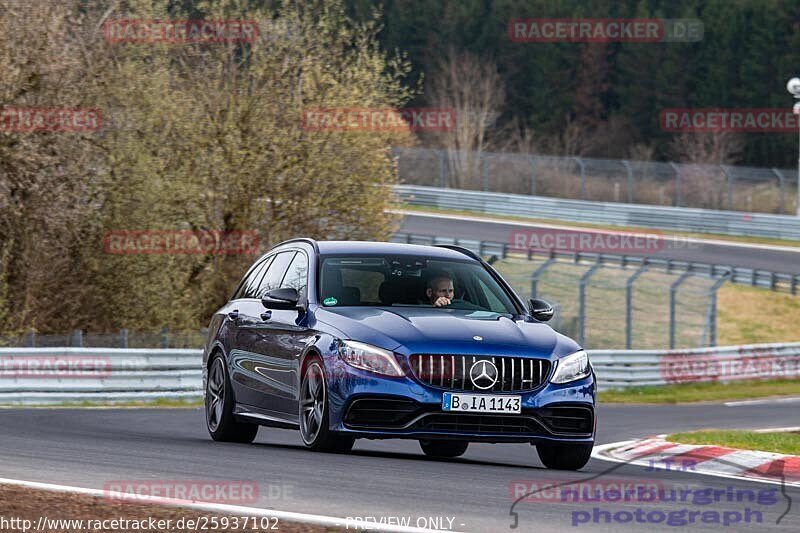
(251, 282)
(275, 273)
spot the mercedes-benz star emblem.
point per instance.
(483, 374)
(477, 338)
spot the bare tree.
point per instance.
(702, 178)
(474, 90)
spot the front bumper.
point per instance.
(367, 405)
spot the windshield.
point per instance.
(410, 281)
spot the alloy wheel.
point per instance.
(312, 403)
(215, 394)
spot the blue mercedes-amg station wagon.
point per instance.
(347, 340)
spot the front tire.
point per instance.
(220, 421)
(314, 415)
(564, 456)
(443, 448)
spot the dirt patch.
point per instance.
(23, 509)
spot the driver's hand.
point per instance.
(441, 301)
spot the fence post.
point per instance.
(442, 182)
(629, 302)
(538, 273)
(30, 339)
(484, 172)
(711, 318)
(583, 176)
(164, 338)
(729, 178)
(582, 302)
(77, 338)
(678, 185)
(630, 180)
(673, 293)
(533, 175)
(782, 183)
(123, 338)
(395, 154)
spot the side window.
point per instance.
(297, 274)
(252, 280)
(491, 298)
(275, 272)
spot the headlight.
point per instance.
(367, 357)
(572, 367)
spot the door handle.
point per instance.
(266, 315)
(233, 315)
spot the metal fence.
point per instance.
(41, 376)
(619, 301)
(603, 300)
(734, 188)
(123, 338)
(608, 213)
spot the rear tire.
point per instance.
(443, 448)
(314, 415)
(564, 456)
(220, 421)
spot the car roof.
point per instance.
(370, 247)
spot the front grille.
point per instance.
(494, 424)
(451, 372)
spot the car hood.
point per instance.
(426, 330)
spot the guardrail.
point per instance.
(59, 375)
(617, 369)
(606, 213)
(53, 376)
(735, 188)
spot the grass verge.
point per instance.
(779, 442)
(702, 392)
(749, 315)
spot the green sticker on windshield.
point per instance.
(330, 300)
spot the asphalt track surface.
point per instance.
(734, 254)
(92, 447)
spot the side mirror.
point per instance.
(541, 310)
(283, 298)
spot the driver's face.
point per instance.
(442, 287)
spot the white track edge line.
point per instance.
(220, 507)
(598, 451)
(765, 401)
(638, 232)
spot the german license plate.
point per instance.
(481, 403)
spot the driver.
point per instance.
(440, 290)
